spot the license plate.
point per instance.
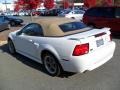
(99, 42)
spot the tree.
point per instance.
(27, 5)
(49, 4)
(89, 3)
(107, 3)
(66, 4)
(17, 7)
(117, 2)
(93, 3)
(31, 4)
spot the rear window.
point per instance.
(66, 27)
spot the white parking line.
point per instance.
(3, 42)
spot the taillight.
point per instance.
(81, 49)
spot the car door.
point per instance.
(97, 17)
(108, 17)
(1, 27)
(25, 40)
(5, 23)
(2, 23)
(93, 17)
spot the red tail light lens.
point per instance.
(81, 49)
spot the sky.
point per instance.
(9, 1)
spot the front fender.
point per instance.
(10, 36)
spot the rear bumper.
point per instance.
(89, 61)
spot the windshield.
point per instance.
(66, 27)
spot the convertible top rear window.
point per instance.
(66, 27)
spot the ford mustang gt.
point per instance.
(62, 44)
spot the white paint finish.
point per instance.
(73, 14)
(62, 48)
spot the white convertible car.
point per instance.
(63, 45)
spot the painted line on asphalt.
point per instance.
(3, 42)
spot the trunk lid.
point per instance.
(95, 37)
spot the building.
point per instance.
(79, 4)
(6, 6)
(117, 2)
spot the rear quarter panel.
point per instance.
(61, 47)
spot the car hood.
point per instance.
(15, 18)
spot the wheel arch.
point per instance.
(53, 52)
(10, 37)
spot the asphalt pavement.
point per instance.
(20, 73)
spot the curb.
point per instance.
(3, 42)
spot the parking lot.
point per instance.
(20, 73)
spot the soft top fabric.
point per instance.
(51, 27)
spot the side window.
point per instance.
(108, 12)
(1, 19)
(117, 12)
(95, 12)
(33, 30)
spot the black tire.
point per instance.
(11, 47)
(51, 65)
(12, 23)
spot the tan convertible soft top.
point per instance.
(51, 27)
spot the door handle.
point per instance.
(31, 40)
(36, 44)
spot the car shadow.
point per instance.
(19, 25)
(4, 30)
(31, 63)
(116, 35)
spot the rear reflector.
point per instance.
(81, 49)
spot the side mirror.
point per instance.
(18, 33)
